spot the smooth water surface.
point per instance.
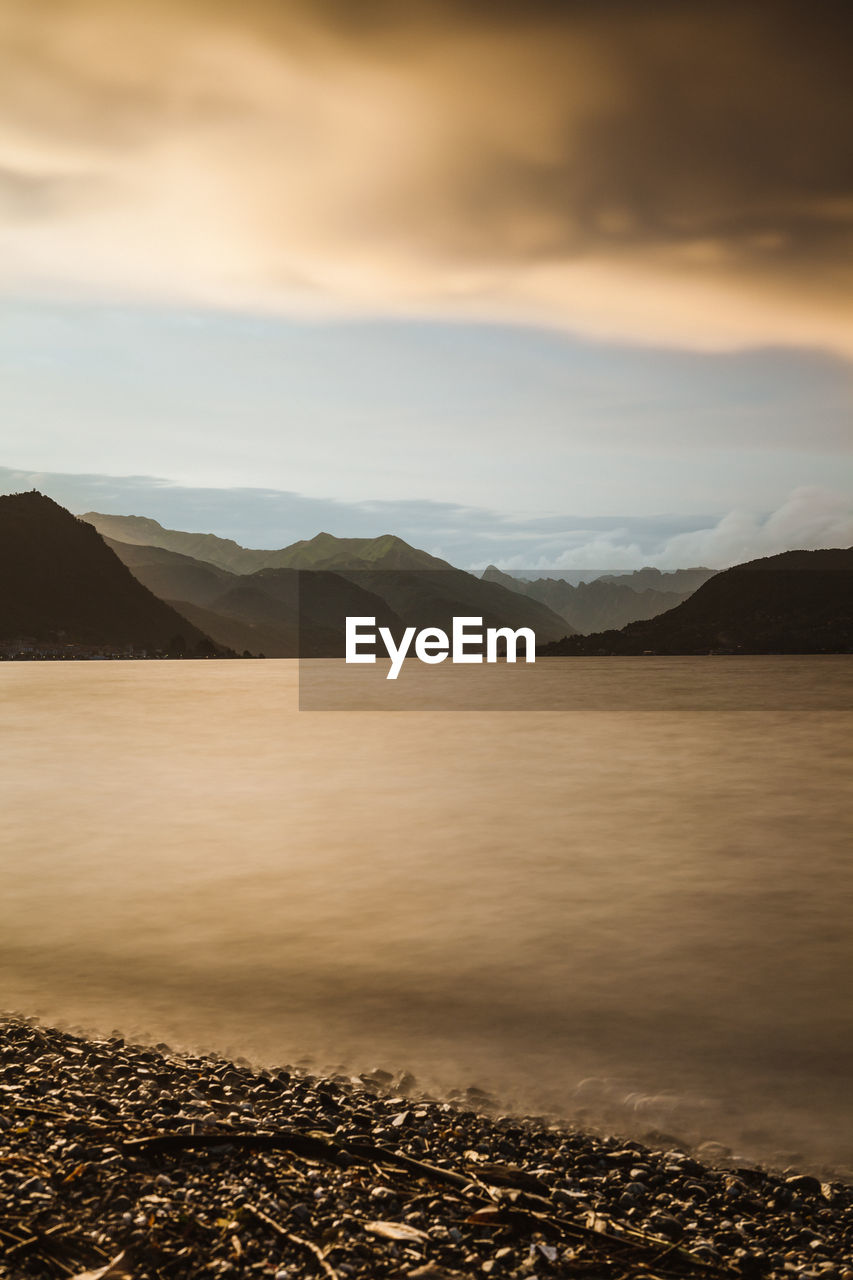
(641, 918)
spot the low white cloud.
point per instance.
(810, 518)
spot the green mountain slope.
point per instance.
(321, 552)
(325, 551)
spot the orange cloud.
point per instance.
(668, 173)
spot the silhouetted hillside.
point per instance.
(607, 602)
(60, 582)
(796, 602)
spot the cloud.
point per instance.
(810, 518)
(664, 173)
(470, 537)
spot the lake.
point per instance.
(629, 915)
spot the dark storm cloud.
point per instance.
(659, 169)
(723, 129)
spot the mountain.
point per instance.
(796, 602)
(259, 611)
(324, 551)
(172, 576)
(255, 639)
(609, 601)
(680, 581)
(308, 609)
(60, 583)
(433, 599)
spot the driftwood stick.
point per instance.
(651, 1249)
(310, 1145)
(300, 1241)
(382, 1155)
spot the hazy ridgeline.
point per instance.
(655, 899)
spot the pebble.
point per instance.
(521, 1197)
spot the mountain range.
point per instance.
(63, 583)
(62, 579)
(795, 602)
(324, 551)
(611, 601)
(261, 609)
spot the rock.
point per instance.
(665, 1225)
(805, 1185)
(242, 1206)
(710, 1151)
(405, 1083)
(377, 1076)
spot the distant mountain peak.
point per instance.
(323, 551)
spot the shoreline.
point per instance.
(135, 1161)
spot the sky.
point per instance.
(546, 284)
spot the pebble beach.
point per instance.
(135, 1161)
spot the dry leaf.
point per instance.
(118, 1268)
(395, 1231)
(487, 1217)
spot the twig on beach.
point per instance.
(299, 1241)
(309, 1145)
(382, 1155)
(39, 1109)
(52, 1259)
(525, 1209)
(638, 1244)
(20, 1245)
(10, 1236)
(98, 1153)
